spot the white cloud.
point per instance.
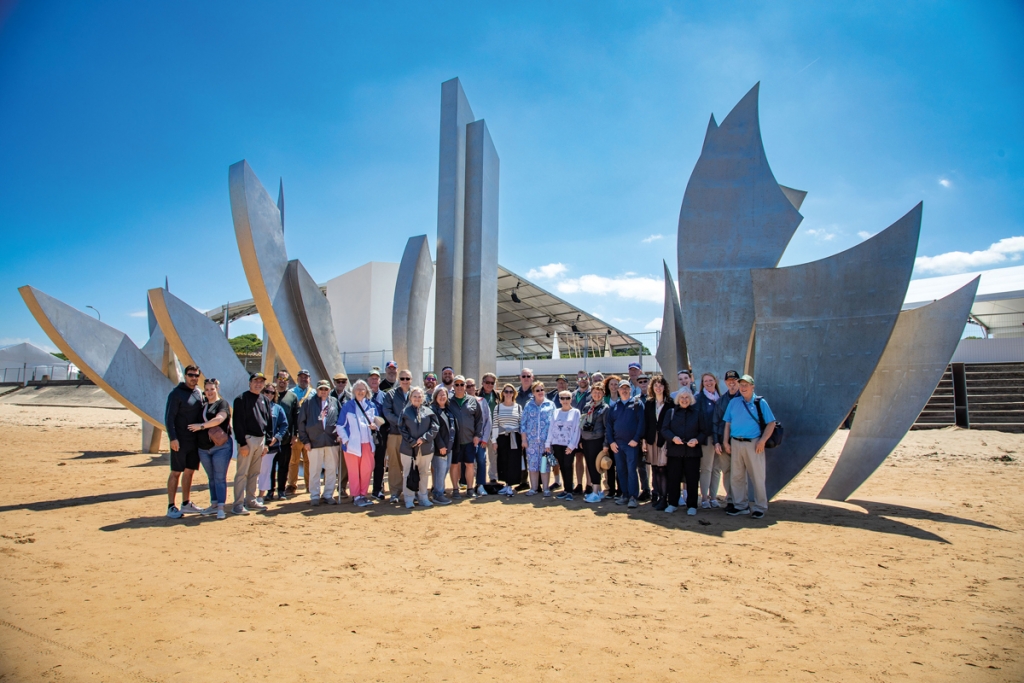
(946, 182)
(652, 238)
(864, 234)
(821, 234)
(625, 286)
(547, 272)
(653, 325)
(1006, 249)
(254, 320)
(137, 314)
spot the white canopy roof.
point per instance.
(20, 355)
(998, 307)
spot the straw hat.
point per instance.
(604, 461)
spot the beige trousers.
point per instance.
(247, 470)
(423, 463)
(745, 461)
(394, 464)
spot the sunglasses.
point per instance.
(270, 393)
(508, 391)
(565, 398)
(488, 381)
(642, 381)
(405, 379)
(460, 384)
(341, 381)
(192, 374)
(525, 376)
(538, 391)
(322, 389)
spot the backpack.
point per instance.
(777, 435)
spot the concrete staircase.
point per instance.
(995, 398)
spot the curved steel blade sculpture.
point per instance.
(159, 353)
(821, 330)
(197, 340)
(914, 360)
(409, 310)
(734, 217)
(105, 354)
(284, 303)
(671, 352)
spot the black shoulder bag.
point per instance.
(777, 434)
(412, 482)
(374, 433)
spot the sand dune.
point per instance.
(920, 578)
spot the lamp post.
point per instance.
(98, 316)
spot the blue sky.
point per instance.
(118, 122)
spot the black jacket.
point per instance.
(654, 422)
(415, 425)
(251, 415)
(184, 407)
(706, 412)
(684, 423)
(592, 426)
(723, 403)
(447, 428)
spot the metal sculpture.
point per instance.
(284, 302)
(105, 354)
(197, 340)
(734, 217)
(671, 354)
(159, 352)
(409, 310)
(821, 330)
(914, 360)
(456, 114)
(480, 254)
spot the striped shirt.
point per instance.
(505, 418)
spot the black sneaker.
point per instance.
(730, 509)
(644, 497)
(756, 514)
(379, 496)
(556, 486)
(578, 491)
(744, 511)
(281, 495)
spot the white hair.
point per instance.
(685, 391)
(361, 383)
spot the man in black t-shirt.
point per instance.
(289, 402)
(184, 407)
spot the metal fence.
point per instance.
(35, 373)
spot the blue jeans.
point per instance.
(481, 465)
(440, 464)
(625, 469)
(215, 462)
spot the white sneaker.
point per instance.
(206, 512)
(547, 493)
(691, 511)
(173, 512)
(714, 503)
(409, 503)
(671, 508)
(705, 504)
(191, 508)
(257, 504)
(592, 497)
(221, 514)
(259, 501)
(425, 501)
(481, 491)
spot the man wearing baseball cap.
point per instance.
(634, 373)
(302, 392)
(390, 380)
(723, 461)
(744, 440)
(251, 416)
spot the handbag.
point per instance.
(217, 435)
(658, 455)
(777, 434)
(412, 482)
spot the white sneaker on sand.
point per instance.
(671, 508)
(191, 508)
(481, 491)
(691, 511)
(173, 512)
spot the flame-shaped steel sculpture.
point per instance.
(734, 217)
(821, 330)
(915, 358)
(671, 354)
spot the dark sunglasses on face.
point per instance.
(538, 391)
(270, 393)
(460, 384)
(488, 381)
(508, 391)
(322, 389)
(192, 374)
(405, 379)
(564, 398)
(525, 376)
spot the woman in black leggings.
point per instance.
(681, 430)
(592, 438)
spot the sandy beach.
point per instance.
(919, 578)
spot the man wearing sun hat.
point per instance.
(744, 440)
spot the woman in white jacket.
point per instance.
(563, 438)
(357, 429)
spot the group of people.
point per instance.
(626, 438)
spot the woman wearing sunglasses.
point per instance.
(265, 482)
(563, 437)
(506, 419)
(536, 422)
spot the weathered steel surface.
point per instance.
(914, 360)
(795, 197)
(480, 254)
(671, 352)
(260, 236)
(197, 340)
(821, 330)
(313, 312)
(158, 351)
(106, 355)
(734, 217)
(409, 310)
(456, 114)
